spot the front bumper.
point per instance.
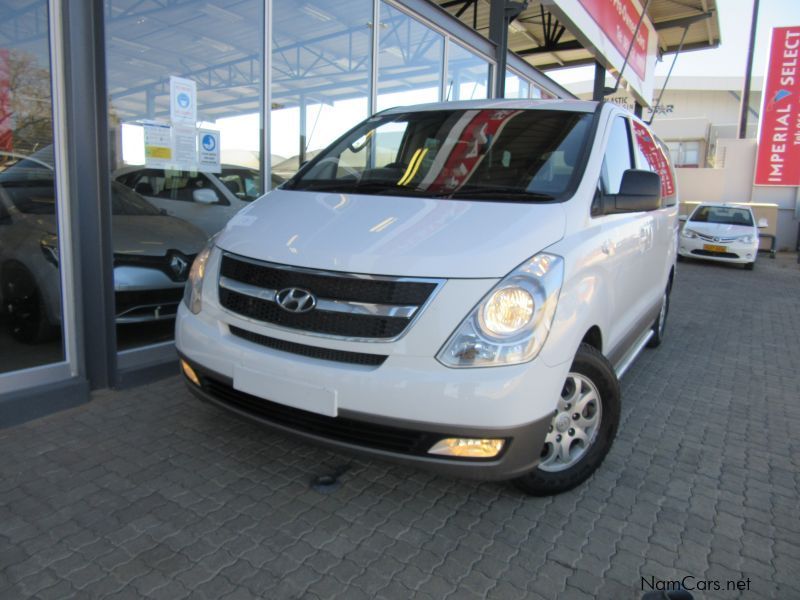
(736, 253)
(398, 440)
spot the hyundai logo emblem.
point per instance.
(295, 300)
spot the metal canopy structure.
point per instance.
(542, 41)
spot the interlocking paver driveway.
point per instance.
(149, 493)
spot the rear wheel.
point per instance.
(582, 429)
(22, 302)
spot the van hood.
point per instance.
(386, 235)
(154, 235)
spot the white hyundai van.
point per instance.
(455, 286)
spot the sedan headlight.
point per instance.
(192, 293)
(510, 325)
(688, 233)
(746, 239)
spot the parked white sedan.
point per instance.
(721, 232)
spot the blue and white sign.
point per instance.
(208, 154)
(183, 101)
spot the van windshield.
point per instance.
(484, 154)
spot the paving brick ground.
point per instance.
(148, 493)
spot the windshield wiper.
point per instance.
(499, 193)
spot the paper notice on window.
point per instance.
(208, 154)
(157, 145)
(183, 101)
(184, 140)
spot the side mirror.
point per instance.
(683, 218)
(762, 223)
(205, 196)
(640, 190)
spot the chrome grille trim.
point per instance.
(325, 304)
(345, 308)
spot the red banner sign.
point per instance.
(655, 158)
(778, 158)
(618, 20)
(6, 131)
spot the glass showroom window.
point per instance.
(409, 61)
(30, 278)
(185, 95)
(467, 74)
(516, 87)
(321, 63)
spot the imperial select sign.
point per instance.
(778, 158)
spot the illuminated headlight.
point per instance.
(688, 233)
(510, 325)
(507, 311)
(746, 239)
(467, 447)
(192, 293)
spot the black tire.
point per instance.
(659, 326)
(681, 258)
(23, 306)
(749, 266)
(592, 365)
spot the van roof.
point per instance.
(587, 106)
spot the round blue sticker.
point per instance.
(209, 143)
(184, 100)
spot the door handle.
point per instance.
(606, 247)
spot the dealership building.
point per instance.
(115, 114)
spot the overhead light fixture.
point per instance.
(317, 13)
(145, 64)
(217, 44)
(129, 44)
(212, 10)
(517, 27)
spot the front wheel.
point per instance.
(750, 266)
(583, 427)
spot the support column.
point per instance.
(745, 105)
(637, 109)
(598, 91)
(90, 189)
(498, 34)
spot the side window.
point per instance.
(617, 158)
(651, 155)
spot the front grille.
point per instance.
(710, 238)
(716, 254)
(351, 431)
(355, 358)
(381, 293)
(148, 300)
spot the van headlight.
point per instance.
(510, 325)
(192, 293)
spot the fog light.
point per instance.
(189, 372)
(467, 448)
